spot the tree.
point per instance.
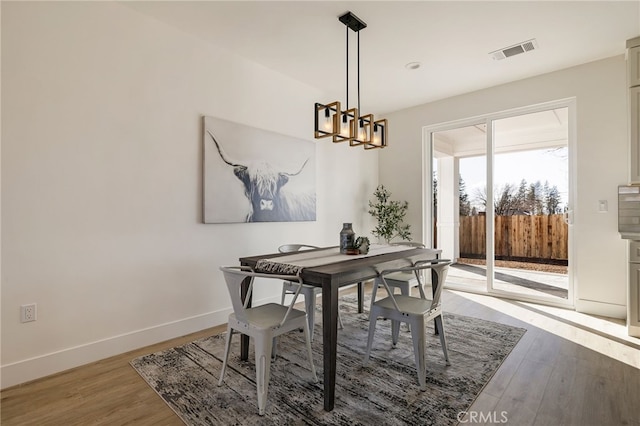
(504, 199)
(553, 201)
(389, 215)
(480, 197)
(435, 195)
(521, 198)
(504, 203)
(526, 198)
(534, 199)
(465, 204)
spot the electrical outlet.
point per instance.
(603, 206)
(28, 313)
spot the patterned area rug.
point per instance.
(385, 392)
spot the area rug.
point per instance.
(386, 392)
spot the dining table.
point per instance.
(329, 269)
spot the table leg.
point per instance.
(330, 340)
(244, 339)
(360, 296)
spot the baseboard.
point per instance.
(37, 367)
(602, 309)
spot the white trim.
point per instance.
(573, 193)
(501, 294)
(26, 370)
(489, 210)
(44, 365)
(593, 307)
(427, 176)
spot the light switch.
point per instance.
(603, 206)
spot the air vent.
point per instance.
(516, 49)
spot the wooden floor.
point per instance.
(568, 369)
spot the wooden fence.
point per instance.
(523, 238)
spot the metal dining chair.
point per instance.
(417, 312)
(308, 291)
(263, 323)
(404, 281)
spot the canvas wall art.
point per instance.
(254, 175)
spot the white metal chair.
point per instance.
(405, 281)
(264, 323)
(417, 312)
(308, 291)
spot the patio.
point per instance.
(528, 282)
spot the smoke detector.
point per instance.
(516, 49)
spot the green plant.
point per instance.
(389, 215)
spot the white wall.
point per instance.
(602, 164)
(101, 181)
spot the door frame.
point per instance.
(488, 120)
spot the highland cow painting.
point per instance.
(253, 175)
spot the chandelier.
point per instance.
(349, 125)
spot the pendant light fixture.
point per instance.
(349, 125)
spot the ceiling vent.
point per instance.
(516, 49)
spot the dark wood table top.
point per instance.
(351, 271)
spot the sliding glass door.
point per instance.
(500, 202)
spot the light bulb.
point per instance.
(377, 136)
(327, 124)
(344, 126)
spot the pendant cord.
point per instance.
(359, 73)
(347, 43)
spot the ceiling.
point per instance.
(451, 39)
(547, 129)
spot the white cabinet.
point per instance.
(634, 134)
(633, 302)
(633, 79)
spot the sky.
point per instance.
(537, 165)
